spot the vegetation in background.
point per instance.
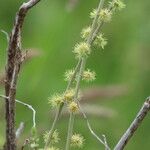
(125, 62)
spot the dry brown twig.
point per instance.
(14, 61)
(134, 125)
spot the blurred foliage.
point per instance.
(52, 30)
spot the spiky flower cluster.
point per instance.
(88, 75)
(117, 5)
(93, 13)
(100, 41)
(77, 140)
(73, 107)
(54, 139)
(105, 15)
(86, 32)
(34, 140)
(82, 50)
(69, 95)
(69, 74)
(56, 100)
(34, 143)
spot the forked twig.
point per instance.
(91, 130)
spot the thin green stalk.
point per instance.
(74, 75)
(59, 110)
(70, 130)
(79, 78)
(72, 115)
(52, 130)
(94, 24)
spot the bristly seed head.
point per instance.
(85, 33)
(100, 41)
(69, 74)
(77, 140)
(56, 100)
(69, 95)
(73, 107)
(89, 75)
(82, 49)
(34, 142)
(93, 13)
(54, 139)
(117, 5)
(105, 15)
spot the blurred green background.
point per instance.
(52, 29)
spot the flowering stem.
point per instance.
(72, 115)
(75, 72)
(82, 68)
(94, 24)
(59, 110)
(52, 129)
(99, 25)
(79, 78)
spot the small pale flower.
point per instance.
(69, 95)
(56, 100)
(105, 15)
(55, 137)
(89, 75)
(46, 136)
(77, 140)
(93, 14)
(34, 142)
(69, 74)
(100, 41)
(117, 5)
(86, 32)
(82, 49)
(73, 107)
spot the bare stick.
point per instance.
(134, 125)
(12, 71)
